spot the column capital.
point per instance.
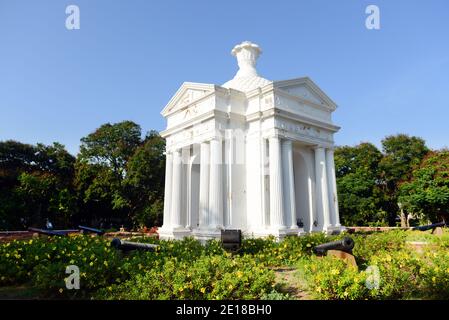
(287, 143)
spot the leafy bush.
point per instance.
(398, 272)
(186, 269)
(330, 278)
(210, 277)
(434, 274)
(268, 252)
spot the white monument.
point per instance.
(251, 154)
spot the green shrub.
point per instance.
(331, 278)
(398, 272)
(434, 274)
(209, 277)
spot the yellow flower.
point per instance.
(335, 272)
(434, 279)
(239, 274)
(203, 290)
(61, 290)
(91, 264)
(181, 289)
(30, 242)
(230, 287)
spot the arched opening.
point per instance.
(304, 186)
(193, 195)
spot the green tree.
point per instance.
(35, 182)
(402, 153)
(101, 170)
(427, 191)
(357, 171)
(145, 181)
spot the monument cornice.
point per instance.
(312, 142)
(211, 114)
(275, 112)
(287, 95)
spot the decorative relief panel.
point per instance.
(300, 108)
(303, 92)
(187, 136)
(302, 129)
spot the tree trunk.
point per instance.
(404, 222)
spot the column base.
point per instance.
(334, 229)
(207, 234)
(174, 233)
(278, 233)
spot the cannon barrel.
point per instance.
(430, 226)
(93, 230)
(346, 244)
(128, 245)
(47, 232)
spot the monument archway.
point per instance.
(304, 188)
(193, 192)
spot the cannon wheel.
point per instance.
(347, 257)
(437, 231)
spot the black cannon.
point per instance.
(430, 226)
(346, 244)
(129, 246)
(47, 232)
(92, 230)
(231, 239)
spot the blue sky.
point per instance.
(129, 58)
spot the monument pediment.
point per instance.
(187, 94)
(305, 89)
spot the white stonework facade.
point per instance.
(251, 154)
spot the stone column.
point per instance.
(332, 184)
(176, 195)
(289, 184)
(276, 184)
(216, 184)
(322, 198)
(204, 184)
(168, 189)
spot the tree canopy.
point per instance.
(427, 191)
